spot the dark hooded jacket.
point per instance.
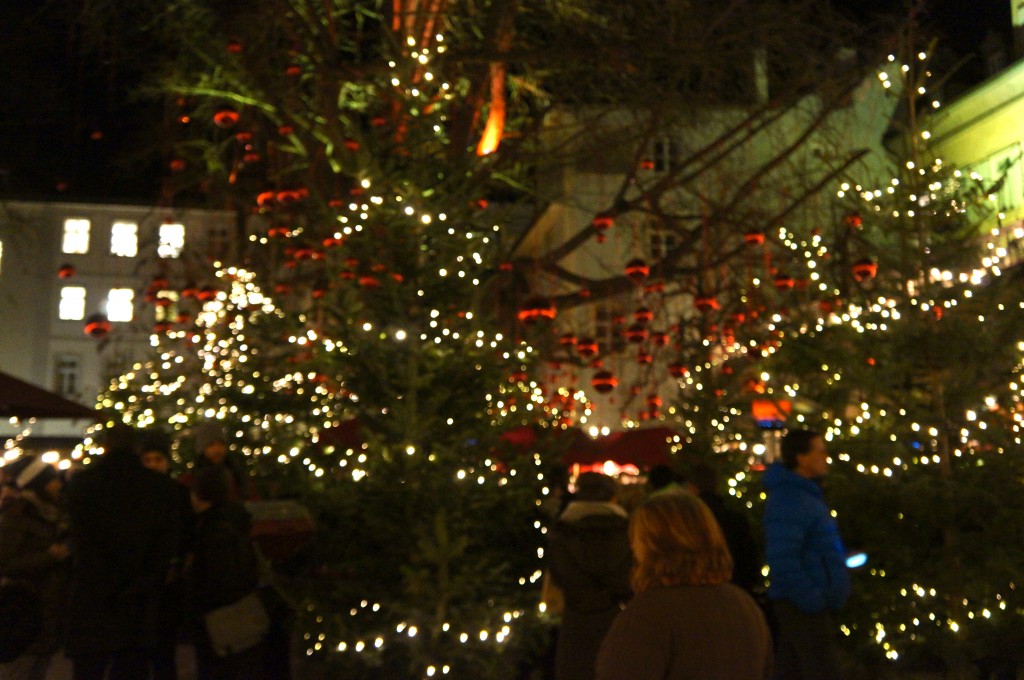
(124, 529)
(590, 559)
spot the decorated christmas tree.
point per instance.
(376, 343)
(906, 351)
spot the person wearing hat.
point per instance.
(211, 449)
(32, 557)
(589, 559)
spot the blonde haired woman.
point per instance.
(687, 622)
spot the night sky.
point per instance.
(69, 129)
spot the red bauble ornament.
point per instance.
(537, 309)
(587, 348)
(705, 303)
(678, 370)
(753, 238)
(66, 271)
(206, 293)
(784, 282)
(602, 222)
(604, 382)
(225, 117)
(637, 270)
(97, 326)
(369, 281)
(864, 270)
(643, 315)
(636, 333)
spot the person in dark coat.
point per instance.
(156, 455)
(33, 556)
(212, 450)
(687, 622)
(124, 526)
(746, 555)
(224, 569)
(589, 559)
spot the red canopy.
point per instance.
(642, 447)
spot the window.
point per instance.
(608, 329)
(119, 304)
(172, 240)
(1, 257)
(66, 374)
(166, 306)
(76, 236)
(661, 243)
(72, 303)
(661, 154)
(217, 243)
(124, 239)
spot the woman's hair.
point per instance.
(676, 541)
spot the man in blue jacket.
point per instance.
(806, 560)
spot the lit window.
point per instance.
(166, 305)
(124, 239)
(119, 304)
(72, 303)
(172, 240)
(1, 257)
(76, 236)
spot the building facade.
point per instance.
(84, 286)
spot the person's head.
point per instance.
(804, 452)
(703, 478)
(676, 541)
(35, 475)
(593, 486)
(660, 476)
(155, 452)
(156, 460)
(120, 438)
(211, 442)
(209, 487)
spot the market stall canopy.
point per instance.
(643, 447)
(20, 399)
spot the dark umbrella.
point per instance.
(19, 399)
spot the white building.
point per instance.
(619, 164)
(83, 286)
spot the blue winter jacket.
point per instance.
(806, 558)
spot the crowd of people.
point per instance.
(672, 588)
(118, 564)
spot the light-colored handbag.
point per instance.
(238, 626)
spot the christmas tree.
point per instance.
(380, 159)
(905, 350)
